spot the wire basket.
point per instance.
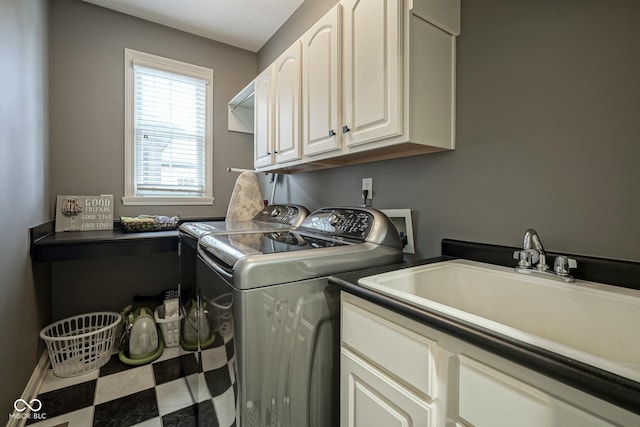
(142, 223)
(81, 344)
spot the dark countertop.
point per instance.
(75, 245)
(605, 385)
(49, 246)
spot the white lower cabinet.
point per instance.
(399, 372)
(375, 399)
(388, 373)
(489, 398)
(406, 355)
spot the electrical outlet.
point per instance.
(367, 184)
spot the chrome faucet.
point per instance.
(533, 253)
(532, 241)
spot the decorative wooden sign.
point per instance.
(84, 213)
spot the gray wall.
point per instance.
(547, 134)
(303, 18)
(24, 192)
(87, 101)
(87, 145)
(85, 286)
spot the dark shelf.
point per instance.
(49, 246)
(77, 245)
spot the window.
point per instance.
(168, 132)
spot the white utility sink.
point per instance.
(591, 322)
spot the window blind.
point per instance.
(170, 132)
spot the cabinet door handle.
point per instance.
(332, 132)
(345, 129)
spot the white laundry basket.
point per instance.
(81, 344)
(170, 327)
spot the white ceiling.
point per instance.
(247, 24)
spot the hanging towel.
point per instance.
(246, 198)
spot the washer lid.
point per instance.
(329, 241)
(272, 217)
(197, 229)
(231, 248)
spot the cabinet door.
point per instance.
(286, 94)
(321, 85)
(368, 398)
(263, 120)
(406, 355)
(490, 398)
(372, 70)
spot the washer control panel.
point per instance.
(352, 223)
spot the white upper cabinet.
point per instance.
(277, 111)
(321, 93)
(263, 112)
(372, 80)
(372, 73)
(240, 111)
(399, 77)
(286, 113)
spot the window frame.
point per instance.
(173, 66)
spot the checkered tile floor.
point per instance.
(158, 394)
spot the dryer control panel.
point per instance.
(282, 214)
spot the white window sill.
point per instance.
(167, 201)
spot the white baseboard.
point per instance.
(31, 390)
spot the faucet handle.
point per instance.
(563, 264)
(526, 257)
(523, 257)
